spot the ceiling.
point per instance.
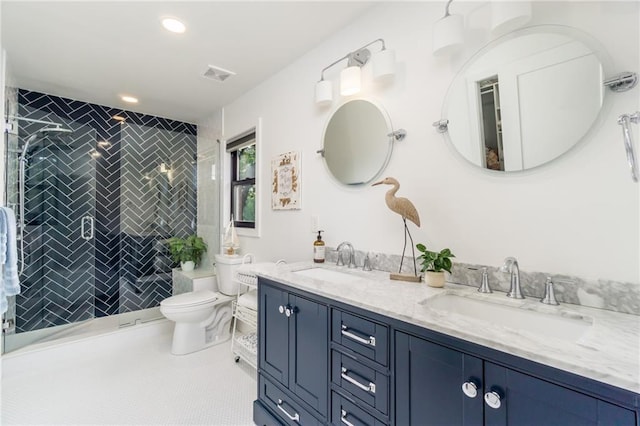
(95, 51)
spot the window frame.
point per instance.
(236, 182)
(238, 141)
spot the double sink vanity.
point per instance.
(344, 346)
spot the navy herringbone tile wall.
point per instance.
(109, 170)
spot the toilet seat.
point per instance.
(194, 299)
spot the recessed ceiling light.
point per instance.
(129, 99)
(173, 25)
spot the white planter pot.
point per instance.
(187, 266)
(434, 279)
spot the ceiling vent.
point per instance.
(217, 73)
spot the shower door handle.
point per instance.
(86, 228)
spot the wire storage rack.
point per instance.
(244, 338)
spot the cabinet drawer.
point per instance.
(262, 416)
(345, 412)
(361, 335)
(365, 383)
(288, 410)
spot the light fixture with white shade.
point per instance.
(448, 33)
(383, 64)
(350, 80)
(508, 15)
(324, 92)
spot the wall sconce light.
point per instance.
(382, 62)
(509, 15)
(448, 33)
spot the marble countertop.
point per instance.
(609, 351)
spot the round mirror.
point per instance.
(357, 143)
(525, 99)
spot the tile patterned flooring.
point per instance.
(126, 377)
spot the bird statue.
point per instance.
(404, 208)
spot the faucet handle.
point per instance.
(339, 262)
(367, 263)
(549, 294)
(484, 286)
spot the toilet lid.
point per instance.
(194, 298)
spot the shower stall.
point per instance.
(95, 198)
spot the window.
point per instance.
(243, 180)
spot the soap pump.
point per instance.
(318, 249)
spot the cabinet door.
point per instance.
(526, 400)
(429, 381)
(309, 352)
(274, 334)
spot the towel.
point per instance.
(3, 238)
(10, 285)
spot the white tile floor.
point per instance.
(127, 377)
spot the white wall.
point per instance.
(577, 216)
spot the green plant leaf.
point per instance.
(434, 261)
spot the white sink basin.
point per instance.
(566, 327)
(327, 275)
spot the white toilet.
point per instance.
(203, 316)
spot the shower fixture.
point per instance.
(42, 133)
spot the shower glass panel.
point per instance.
(57, 285)
(158, 201)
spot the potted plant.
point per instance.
(434, 264)
(188, 251)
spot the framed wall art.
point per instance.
(285, 186)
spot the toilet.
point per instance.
(203, 316)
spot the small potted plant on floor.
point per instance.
(434, 264)
(188, 251)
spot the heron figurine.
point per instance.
(404, 208)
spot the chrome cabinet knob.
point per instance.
(288, 311)
(492, 399)
(470, 389)
(281, 309)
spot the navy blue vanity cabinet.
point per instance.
(437, 385)
(525, 400)
(429, 380)
(293, 355)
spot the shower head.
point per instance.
(47, 131)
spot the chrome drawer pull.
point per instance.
(371, 341)
(343, 419)
(371, 387)
(295, 418)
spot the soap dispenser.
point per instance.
(318, 249)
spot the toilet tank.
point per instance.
(225, 269)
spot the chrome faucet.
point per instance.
(511, 266)
(352, 254)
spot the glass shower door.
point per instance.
(58, 281)
(158, 201)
